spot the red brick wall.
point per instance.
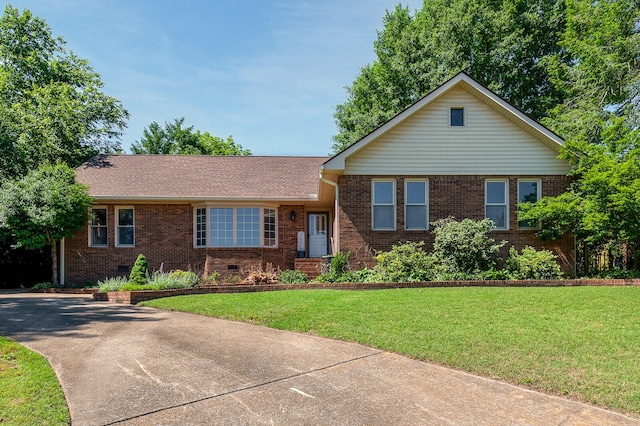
(458, 196)
(164, 234)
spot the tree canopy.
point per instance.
(599, 120)
(176, 139)
(43, 207)
(51, 104)
(500, 43)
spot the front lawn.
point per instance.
(29, 390)
(578, 342)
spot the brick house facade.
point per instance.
(456, 196)
(460, 151)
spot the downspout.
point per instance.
(62, 262)
(336, 227)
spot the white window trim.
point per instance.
(426, 204)
(106, 226)
(235, 224)
(195, 226)
(539, 182)
(117, 226)
(393, 203)
(505, 204)
(464, 115)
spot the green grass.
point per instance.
(29, 390)
(578, 342)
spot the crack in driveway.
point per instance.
(234, 391)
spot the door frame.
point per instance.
(327, 214)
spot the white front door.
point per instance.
(318, 234)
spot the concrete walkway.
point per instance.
(122, 364)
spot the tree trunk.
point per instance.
(54, 263)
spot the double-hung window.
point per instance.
(496, 202)
(235, 227)
(125, 232)
(529, 191)
(98, 227)
(383, 209)
(416, 197)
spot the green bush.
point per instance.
(293, 277)
(362, 276)
(464, 248)
(532, 264)
(140, 271)
(338, 269)
(112, 284)
(404, 263)
(172, 280)
(41, 286)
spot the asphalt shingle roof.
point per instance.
(201, 177)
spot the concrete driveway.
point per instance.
(121, 364)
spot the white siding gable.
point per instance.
(489, 143)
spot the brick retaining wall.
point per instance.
(134, 297)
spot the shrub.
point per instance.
(338, 269)
(112, 284)
(464, 248)
(362, 276)
(172, 280)
(261, 276)
(293, 277)
(41, 286)
(404, 262)
(140, 271)
(211, 278)
(532, 264)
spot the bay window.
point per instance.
(235, 227)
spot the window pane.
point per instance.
(416, 193)
(496, 192)
(125, 236)
(457, 116)
(201, 227)
(269, 227)
(125, 217)
(383, 217)
(99, 236)
(527, 192)
(499, 216)
(248, 227)
(416, 217)
(99, 216)
(383, 192)
(221, 224)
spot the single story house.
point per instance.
(460, 151)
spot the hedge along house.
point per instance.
(460, 151)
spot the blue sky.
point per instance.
(268, 72)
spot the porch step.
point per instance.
(311, 267)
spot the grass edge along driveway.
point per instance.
(578, 342)
(30, 393)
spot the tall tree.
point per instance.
(43, 207)
(500, 43)
(51, 104)
(599, 120)
(176, 139)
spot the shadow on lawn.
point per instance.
(26, 317)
